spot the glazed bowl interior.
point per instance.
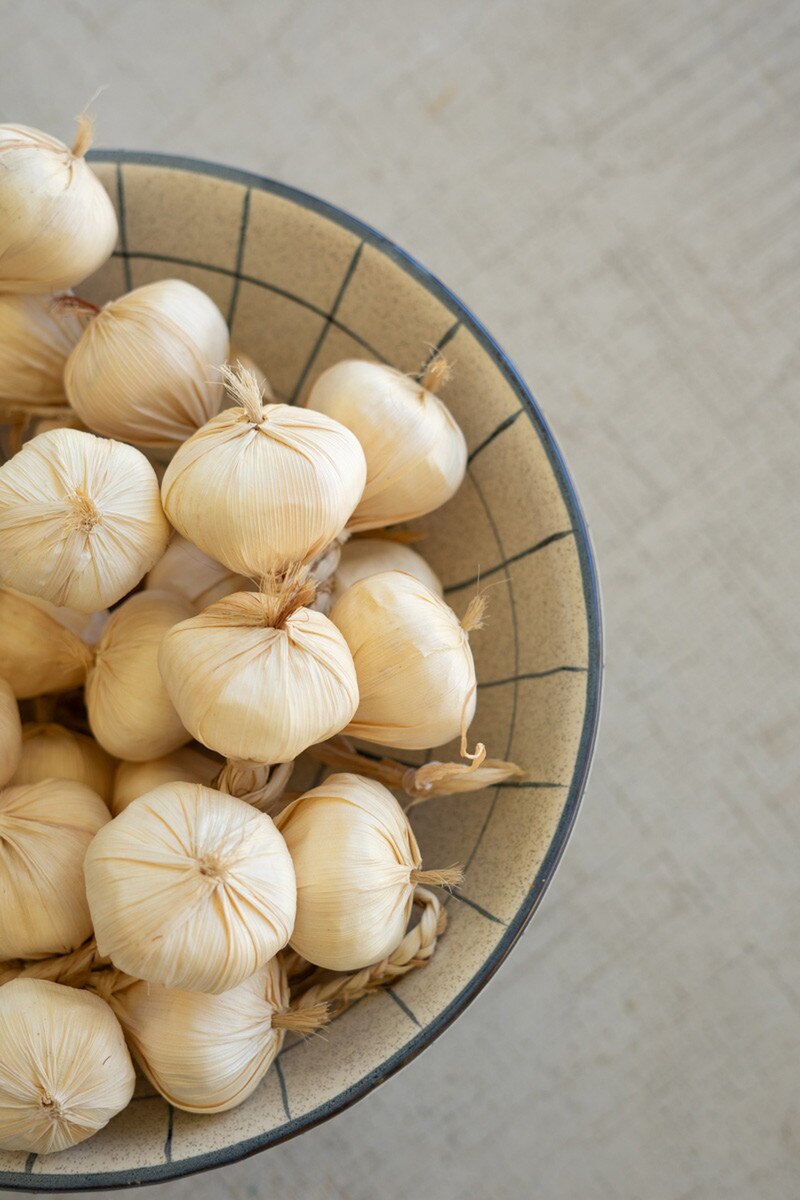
(303, 285)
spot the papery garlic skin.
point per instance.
(80, 519)
(10, 733)
(65, 1070)
(415, 451)
(416, 674)
(190, 888)
(45, 830)
(39, 654)
(236, 358)
(251, 691)
(362, 557)
(50, 751)
(188, 572)
(57, 224)
(353, 852)
(187, 765)
(147, 367)
(130, 712)
(205, 1053)
(36, 338)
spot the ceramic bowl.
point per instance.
(304, 285)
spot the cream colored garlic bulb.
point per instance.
(45, 830)
(10, 733)
(416, 453)
(362, 557)
(80, 519)
(129, 710)
(39, 653)
(65, 1070)
(187, 765)
(57, 224)
(263, 486)
(416, 675)
(147, 368)
(188, 572)
(36, 338)
(190, 888)
(50, 751)
(357, 862)
(256, 681)
(236, 360)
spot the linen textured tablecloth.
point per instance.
(615, 189)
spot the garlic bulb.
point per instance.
(190, 888)
(263, 486)
(39, 653)
(416, 453)
(147, 368)
(36, 338)
(80, 519)
(416, 675)
(188, 572)
(57, 224)
(10, 733)
(357, 862)
(254, 681)
(362, 557)
(64, 1068)
(53, 752)
(45, 829)
(187, 765)
(238, 360)
(129, 710)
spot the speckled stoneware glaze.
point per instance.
(304, 285)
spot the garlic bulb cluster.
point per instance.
(57, 224)
(416, 453)
(362, 557)
(10, 733)
(147, 367)
(80, 519)
(65, 1070)
(262, 487)
(36, 338)
(188, 572)
(45, 830)
(187, 765)
(50, 751)
(416, 675)
(190, 888)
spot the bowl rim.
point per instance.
(96, 1181)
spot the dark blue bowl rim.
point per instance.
(234, 1153)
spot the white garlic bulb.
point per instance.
(190, 573)
(50, 751)
(65, 1070)
(263, 486)
(80, 519)
(57, 224)
(130, 712)
(147, 367)
(187, 765)
(357, 862)
(10, 733)
(362, 557)
(190, 888)
(36, 338)
(416, 674)
(45, 830)
(416, 453)
(39, 651)
(254, 681)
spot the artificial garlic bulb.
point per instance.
(50, 751)
(416, 453)
(65, 1070)
(129, 710)
(57, 224)
(416, 675)
(263, 486)
(39, 651)
(357, 862)
(259, 677)
(187, 765)
(190, 573)
(362, 557)
(80, 519)
(190, 888)
(45, 830)
(10, 733)
(147, 367)
(36, 338)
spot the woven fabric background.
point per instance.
(615, 190)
